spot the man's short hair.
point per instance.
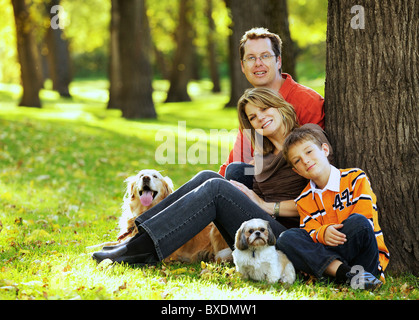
(261, 33)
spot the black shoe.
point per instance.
(364, 280)
(107, 248)
(111, 254)
(118, 256)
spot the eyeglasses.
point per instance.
(263, 58)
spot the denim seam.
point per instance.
(157, 240)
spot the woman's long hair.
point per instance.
(265, 98)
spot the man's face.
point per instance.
(261, 73)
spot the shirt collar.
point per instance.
(287, 85)
(333, 184)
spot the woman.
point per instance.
(208, 197)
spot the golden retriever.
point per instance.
(144, 191)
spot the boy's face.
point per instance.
(309, 160)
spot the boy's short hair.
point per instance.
(302, 134)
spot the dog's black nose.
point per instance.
(146, 179)
(257, 233)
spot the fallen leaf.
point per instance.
(38, 234)
(43, 177)
(179, 271)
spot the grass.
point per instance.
(61, 184)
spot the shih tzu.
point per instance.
(256, 257)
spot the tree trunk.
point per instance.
(277, 11)
(212, 50)
(271, 14)
(115, 82)
(182, 63)
(30, 63)
(58, 57)
(371, 107)
(134, 50)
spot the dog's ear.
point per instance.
(271, 236)
(169, 184)
(130, 181)
(241, 241)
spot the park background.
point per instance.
(75, 124)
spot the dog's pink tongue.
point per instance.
(146, 198)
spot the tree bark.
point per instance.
(134, 51)
(246, 14)
(212, 50)
(371, 107)
(182, 64)
(58, 57)
(115, 82)
(30, 63)
(277, 11)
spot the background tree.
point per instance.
(212, 49)
(183, 60)
(115, 81)
(272, 14)
(372, 110)
(30, 63)
(134, 50)
(58, 56)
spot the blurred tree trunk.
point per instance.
(372, 113)
(182, 64)
(58, 57)
(30, 63)
(212, 50)
(246, 14)
(115, 82)
(135, 99)
(278, 23)
(161, 63)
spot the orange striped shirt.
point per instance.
(347, 191)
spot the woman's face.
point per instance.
(266, 122)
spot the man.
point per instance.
(261, 63)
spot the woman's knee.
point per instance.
(236, 171)
(206, 175)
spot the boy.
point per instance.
(339, 228)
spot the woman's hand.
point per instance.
(249, 193)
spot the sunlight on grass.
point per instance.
(62, 172)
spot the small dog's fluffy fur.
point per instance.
(144, 191)
(256, 257)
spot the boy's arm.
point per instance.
(309, 223)
(363, 200)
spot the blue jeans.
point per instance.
(313, 258)
(235, 171)
(206, 198)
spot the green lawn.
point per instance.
(61, 185)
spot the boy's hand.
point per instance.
(333, 237)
